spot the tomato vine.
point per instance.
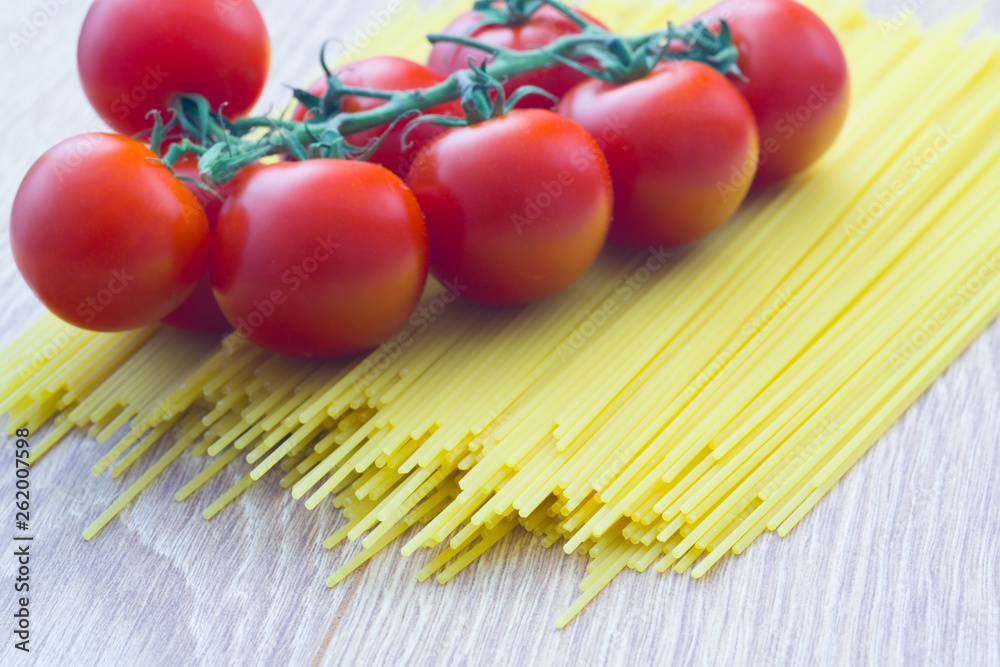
(226, 146)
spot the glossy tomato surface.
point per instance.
(798, 85)
(319, 259)
(134, 55)
(681, 145)
(543, 27)
(517, 207)
(200, 312)
(387, 73)
(106, 237)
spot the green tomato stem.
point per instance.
(623, 58)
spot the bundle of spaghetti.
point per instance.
(667, 408)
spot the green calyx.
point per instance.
(715, 50)
(330, 103)
(483, 98)
(518, 12)
(226, 146)
(508, 13)
(620, 62)
(322, 107)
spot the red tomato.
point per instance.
(134, 55)
(798, 83)
(319, 259)
(200, 312)
(107, 238)
(517, 207)
(387, 73)
(544, 27)
(681, 146)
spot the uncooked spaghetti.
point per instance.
(668, 408)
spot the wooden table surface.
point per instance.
(900, 564)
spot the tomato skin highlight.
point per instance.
(108, 239)
(134, 55)
(798, 88)
(517, 207)
(200, 312)
(319, 259)
(386, 73)
(544, 27)
(681, 146)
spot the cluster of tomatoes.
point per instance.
(324, 258)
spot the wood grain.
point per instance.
(898, 565)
